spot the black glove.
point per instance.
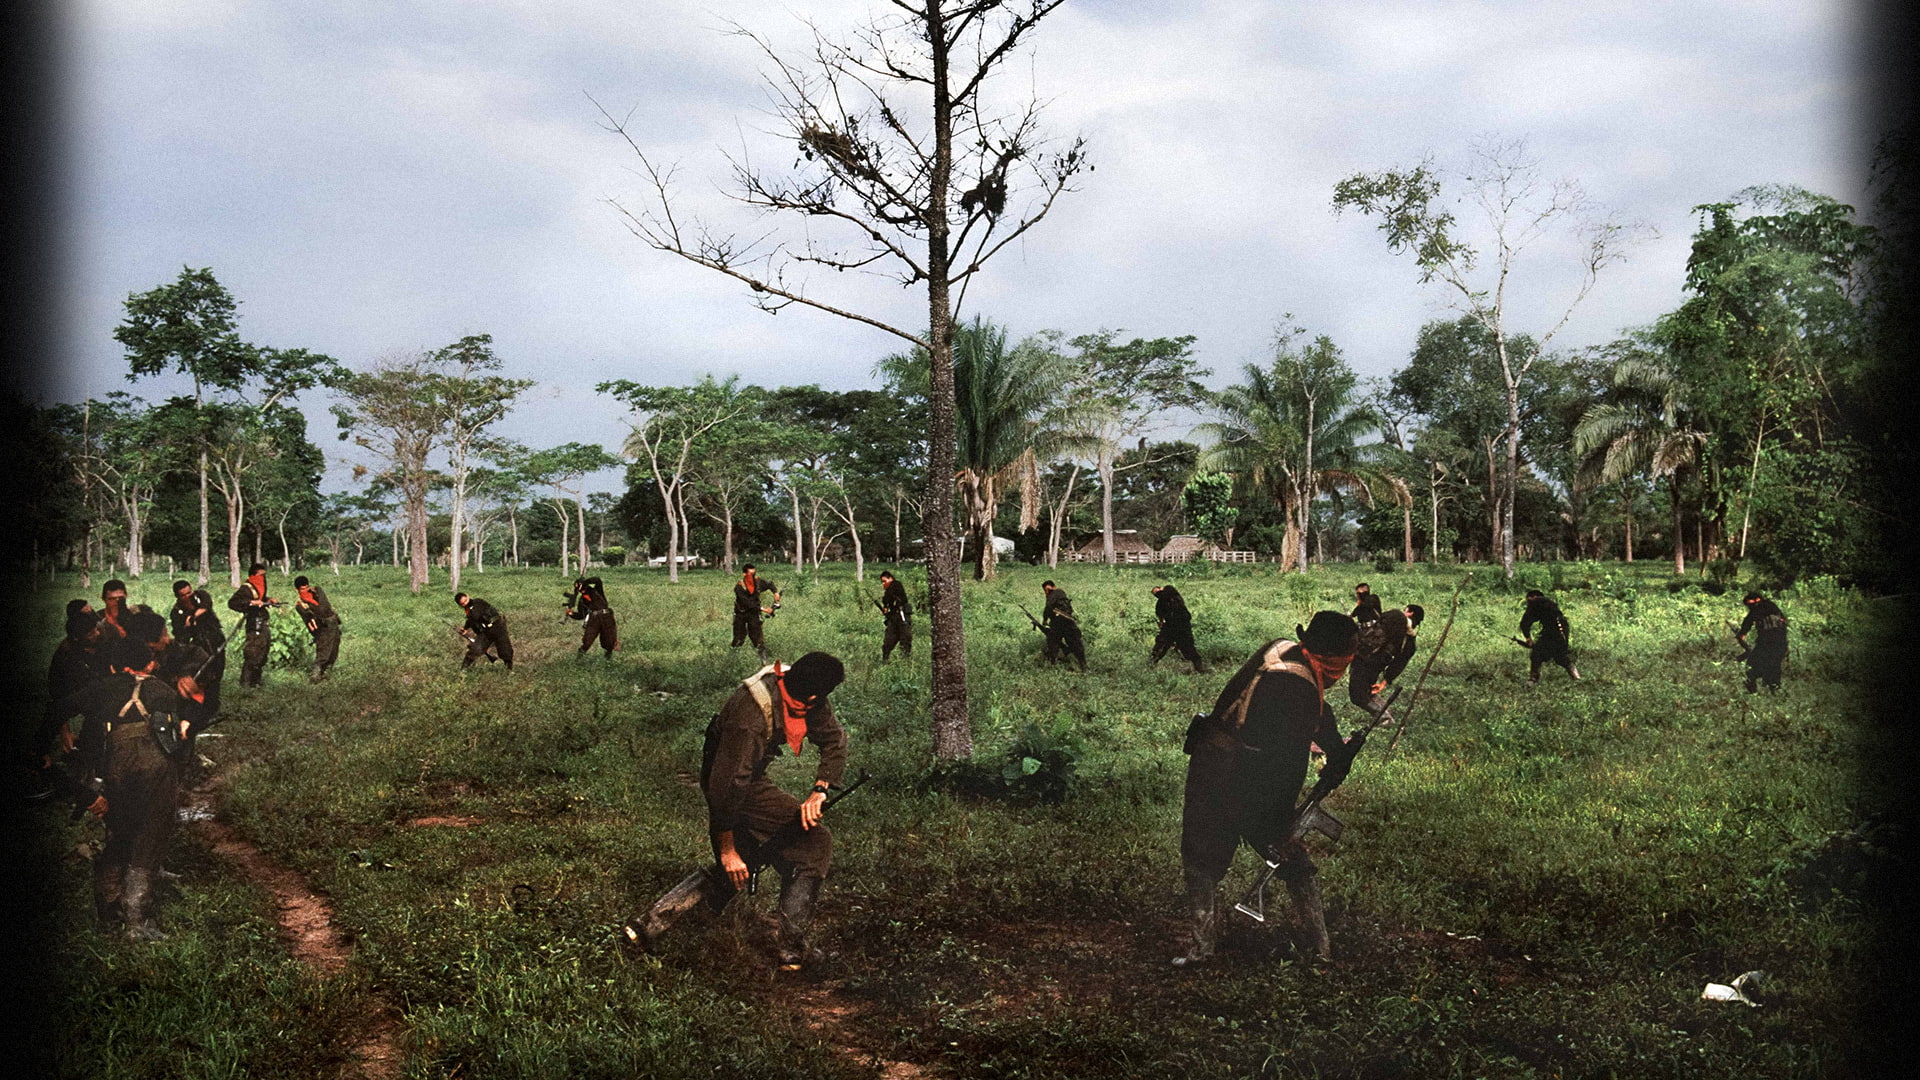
(1340, 761)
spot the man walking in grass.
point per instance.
(1061, 628)
(1248, 759)
(253, 603)
(897, 612)
(1386, 645)
(747, 610)
(195, 622)
(1552, 644)
(588, 602)
(1366, 606)
(1767, 654)
(323, 623)
(1176, 627)
(751, 821)
(485, 631)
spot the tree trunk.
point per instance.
(206, 552)
(580, 510)
(233, 538)
(1406, 529)
(457, 521)
(1679, 528)
(799, 533)
(951, 729)
(418, 573)
(1105, 462)
(1628, 492)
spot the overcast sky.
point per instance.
(372, 177)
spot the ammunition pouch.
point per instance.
(1205, 729)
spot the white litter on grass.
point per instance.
(1735, 991)
(196, 813)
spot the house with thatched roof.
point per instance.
(1127, 548)
(1185, 548)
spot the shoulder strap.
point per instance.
(133, 700)
(757, 687)
(1270, 661)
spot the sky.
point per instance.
(371, 178)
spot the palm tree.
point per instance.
(1283, 426)
(1012, 417)
(1641, 424)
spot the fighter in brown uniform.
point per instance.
(587, 601)
(1248, 760)
(751, 821)
(322, 622)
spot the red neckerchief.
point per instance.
(750, 583)
(306, 596)
(794, 713)
(259, 583)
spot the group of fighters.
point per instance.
(144, 694)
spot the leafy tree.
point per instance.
(1014, 413)
(1516, 209)
(395, 412)
(474, 400)
(931, 191)
(564, 470)
(1208, 501)
(1127, 389)
(1774, 326)
(1271, 427)
(670, 421)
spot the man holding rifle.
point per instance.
(1248, 759)
(751, 821)
(897, 611)
(485, 631)
(253, 604)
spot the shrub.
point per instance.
(1041, 762)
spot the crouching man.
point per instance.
(751, 821)
(1248, 762)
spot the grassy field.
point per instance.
(1537, 883)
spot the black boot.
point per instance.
(646, 929)
(1204, 921)
(797, 897)
(137, 901)
(107, 892)
(1312, 914)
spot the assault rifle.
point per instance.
(1522, 643)
(467, 636)
(1030, 618)
(791, 831)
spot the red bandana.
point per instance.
(749, 583)
(794, 712)
(259, 583)
(306, 595)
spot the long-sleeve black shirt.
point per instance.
(1771, 621)
(588, 596)
(481, 616)
(1553, 624)
(893, 601)
(1059, 604)
(1171, 610)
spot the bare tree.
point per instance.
(1516, 209)
(474, 401)
(671, 421)
(925, 182)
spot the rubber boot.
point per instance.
(646, 929)
(137, 901)
(1204, 919)
(797, 897)
(1311, 913)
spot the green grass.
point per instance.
(1537, 882)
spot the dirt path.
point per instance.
(834, 1019)
(377, 1040)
